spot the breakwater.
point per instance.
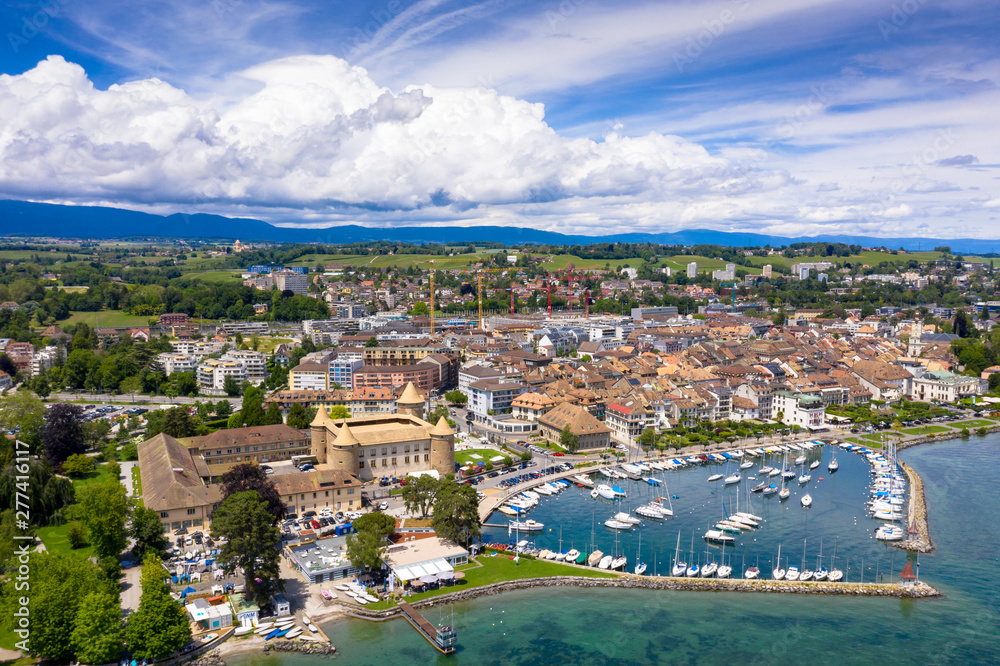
(920, 540)
(917, 591)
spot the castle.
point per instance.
(385, 445)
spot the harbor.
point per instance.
(807, 510)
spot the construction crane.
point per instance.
(432, 299)
(479, 288)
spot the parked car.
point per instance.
(383, 506)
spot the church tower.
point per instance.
(318, 430)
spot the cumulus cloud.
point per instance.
(315, 132)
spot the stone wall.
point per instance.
(916, 515)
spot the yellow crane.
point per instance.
(479, 288)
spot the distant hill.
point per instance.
(34, 219)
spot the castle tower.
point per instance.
(342, 453)
(442, 447)
(410, 403)
(318, 429)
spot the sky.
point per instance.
(814, 117)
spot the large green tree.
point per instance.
(273, 414)
(456, 512)
(251, 477)
(568, 439)
(160, 625)
(297, 416)
(419, 493)
(98, 633)
(59, 583)
(23, 413)
(366, 548)
(146, 530)
(105, 509)
(252, 410)
(252, 544)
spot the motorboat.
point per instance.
(800, 460)
(709, 570)
(594, 558)
(751, 573)
(623, 517)
(544, 554)
(806, 500)
(617, 524)
(715, 477)
(640, 568)
(746, 465)
(595, 493)
(605, 562)
(805, 478)
(821, 574)
(890, 533)
(814, 464)
(732, 478)
(526, 525)
(572, 555)
(724, 571)
(771, 489)
(650, 512)
(759, 487)
(718, 536)
(618, 562)
(652, 481)
(792, 573)
(583, 480)
(605, 491)
(806, 574)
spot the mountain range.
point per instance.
(24, 218)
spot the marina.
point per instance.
(729, 520)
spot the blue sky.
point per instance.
(797, 118)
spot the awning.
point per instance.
(416, 571)
(429, 579)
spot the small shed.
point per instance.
(209, 616)
(281, 605)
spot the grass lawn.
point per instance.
(705, 264)
(501, 568)
(56, 540)
(221, 277)
(107, 318)
(466, 456)
(136, 484)
(927, 430)
(975, 423)
(97, 476)
(268, 345)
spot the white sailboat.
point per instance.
(807, 500)
(679, 567)
(777, 573)
(640, 566)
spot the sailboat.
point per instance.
(777, 573)
(724, 570)
(807, 500)
(692, 571)
(835, 574)
(709, 568)
(640, 566)
(821, 571)
(806, 574)
(785, 492)
(834, 465)
(679, 567)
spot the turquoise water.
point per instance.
(578, 626)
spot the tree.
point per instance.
(176, 422)
(63, 435)
(297, 416)
(59, 584)
(648, 437)
(371, 342)
(252, 544)
(252, 410)
(105, 509)
(366, 548)
(246, 477)
(419, 493)
(339, 412)
(76, 535)
(146, 530)
(568, 439)
(24, 413)
(131, 385)
(78, 465)
(40, 386)
(223, 409)
(273, 415)
(961, 324)
(456, 397)
(456, 512)
(160, 625)
(231, 386)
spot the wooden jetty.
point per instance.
(443, 639)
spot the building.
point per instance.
(767, 271)
(171, 363)
(371, 447)
(640, 313)
(626, 423)
(174, 319)
(175, 484)
(44, 359)
(261, 444)
(212, 374)
(342, 372)
(728, 274)
(692, 269)
(425, 376)
(591, 433)
(474, 373)
(943, 386)
(254, 362)
(309, 376)
(801, 409)
(489, 396)
(530, 406)
(289, 280)
(410, 560)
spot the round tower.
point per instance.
(410, 403)
(442, 447)
(318, 429)
(342, 453)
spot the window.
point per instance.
(385, 463)
(393, 462)
(190, 512)
(406, 449)
(385, 451)
(426, 457)
(406, 460)
(394, 450)
(164, 514)
(361, 463)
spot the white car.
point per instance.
(353, 515)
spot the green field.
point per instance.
(976, 423)
(927, 430)
(868, 258)
(705, 264)
(218, 276)
(106, 319)
(502, 568)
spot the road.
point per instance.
(108, 398)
